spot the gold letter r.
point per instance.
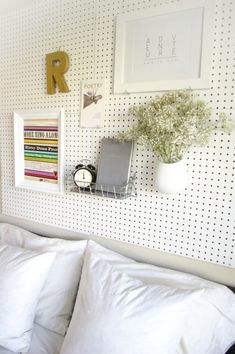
(57, 64)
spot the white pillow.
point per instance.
(117, 314)
(57, 299)
(22, 275)
(45, 341)
(210, 326)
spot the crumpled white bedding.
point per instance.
(43, 342)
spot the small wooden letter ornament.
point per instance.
(57, 64)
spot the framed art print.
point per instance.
(166, 48)
(38, 137)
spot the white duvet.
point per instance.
(43, 342)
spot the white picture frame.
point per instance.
(165, 48)
(39, 150)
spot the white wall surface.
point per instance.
(14, 5)
(198, 223)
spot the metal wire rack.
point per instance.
(105, 190)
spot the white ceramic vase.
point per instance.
(171, 178)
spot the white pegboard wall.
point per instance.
(198, 223)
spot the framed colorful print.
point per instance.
(38, 137)
(92, 104)
(165, 48)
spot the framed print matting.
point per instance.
(166, 48)
(38, 137)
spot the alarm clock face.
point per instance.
(83, 178)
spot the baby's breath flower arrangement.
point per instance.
(169, 125)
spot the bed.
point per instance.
(53, 340)
(43, 342)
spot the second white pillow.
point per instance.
(115, 313)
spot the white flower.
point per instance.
(170, 124)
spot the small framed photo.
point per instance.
(38, 138)
(92, 104)
(166, 48)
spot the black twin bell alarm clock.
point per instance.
(84, 175)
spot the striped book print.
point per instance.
(41, 174)
(41, 142)
(41, 159)
(46, 155)
(40, 135)
(41, 150)
(40, 128)
(40, 166)
(42, 179)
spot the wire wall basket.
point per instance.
(106, 190)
